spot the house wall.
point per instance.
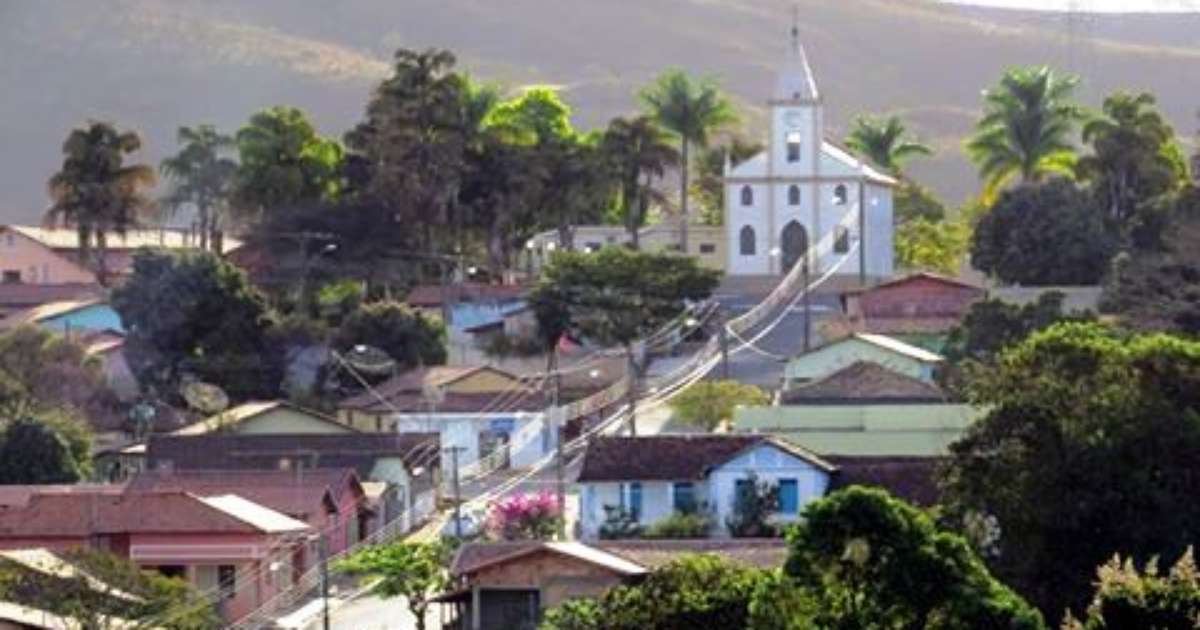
(557, 577)
(913, 429)
(530, 436)
(657, 503)
(769, 464)
(37, 263)
(917, 297)
(829, 359)
(286, 420)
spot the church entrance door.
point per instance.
(794, 241)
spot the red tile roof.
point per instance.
(673, 457)
(648, 554)
(297, 493)
(913, 479)
(232, 452)
(863, 382)
(86, 514)
(407, 391)
(16, 297)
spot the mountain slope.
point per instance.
(154, 65)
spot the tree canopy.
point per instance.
(1026, 129)
(414, 571)
(1128, 597)
(1043, 234)
(885, 142)
(193, 315)
(869, 560)
(706, 404)
(282, 161)
(1095, 434)
(96, 192)
(407, 336)
(202, 175)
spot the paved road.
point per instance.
(785, 340)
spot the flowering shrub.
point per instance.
(524, 517)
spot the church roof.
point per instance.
(843, 163)
(795, 80)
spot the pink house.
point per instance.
(330, 501)
(237, 552)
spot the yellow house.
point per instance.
(271, 417)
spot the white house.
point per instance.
(781, 203)
(652, 477)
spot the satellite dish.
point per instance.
(205, 397)
(370, 360)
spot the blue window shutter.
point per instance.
(789, 496)
(635, 500)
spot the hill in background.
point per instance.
(154, 65)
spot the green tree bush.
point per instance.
(754, 503)
(1128, 598)
(414, 571)
(1043, 234)
(1095, 434)
(868, 560)
(708, 404)
(678, 525)
(196, 315)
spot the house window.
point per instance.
(747, 196)
(684, 494)
(839, 195)
(741, 488)
(841, 239)
(793, 195)
(708, 248)
(12, 276)
(631, 499)
(746, 241)
(227, 580)
(593, 246)
(789, 496)
(793, 146)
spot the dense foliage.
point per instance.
(408, 337)
(1043, 234)
(414, 571)
(1130, 598)
(708, 404)
(754, 503)
(196, 316)
(1096, 436)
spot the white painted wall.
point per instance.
(532, 437)
(768, 462)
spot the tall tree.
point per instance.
(284, 162)
(1026, 128)
(1096, 436)
(32, 452)
(96, 192)
(414, 571)
(639, 153)
(1135, 156)
(885, 142)
(692, 110)
(1043, 234)
(412, 141)
(616, 296)
(202, 176)
(194, 315)
(872, 561)
(1127, 597)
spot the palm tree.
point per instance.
(1026, 128)
(638, 152)
(691, 110)
(96, 193)
(883, 141)
(202, 177)
(709, 186)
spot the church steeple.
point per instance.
(795, 79)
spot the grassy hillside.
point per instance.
(154, 64)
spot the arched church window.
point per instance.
(793, 195)
(746, 244)
(793, 146)
(840, 196)
(747, 196)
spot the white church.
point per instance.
(800, 199)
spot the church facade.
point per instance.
(805, 198)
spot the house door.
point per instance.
(794, 243)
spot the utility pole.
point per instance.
(559, 419)
(324, 583)
(807, 313)
(453, 450)
(633, 385)
(722, 321)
